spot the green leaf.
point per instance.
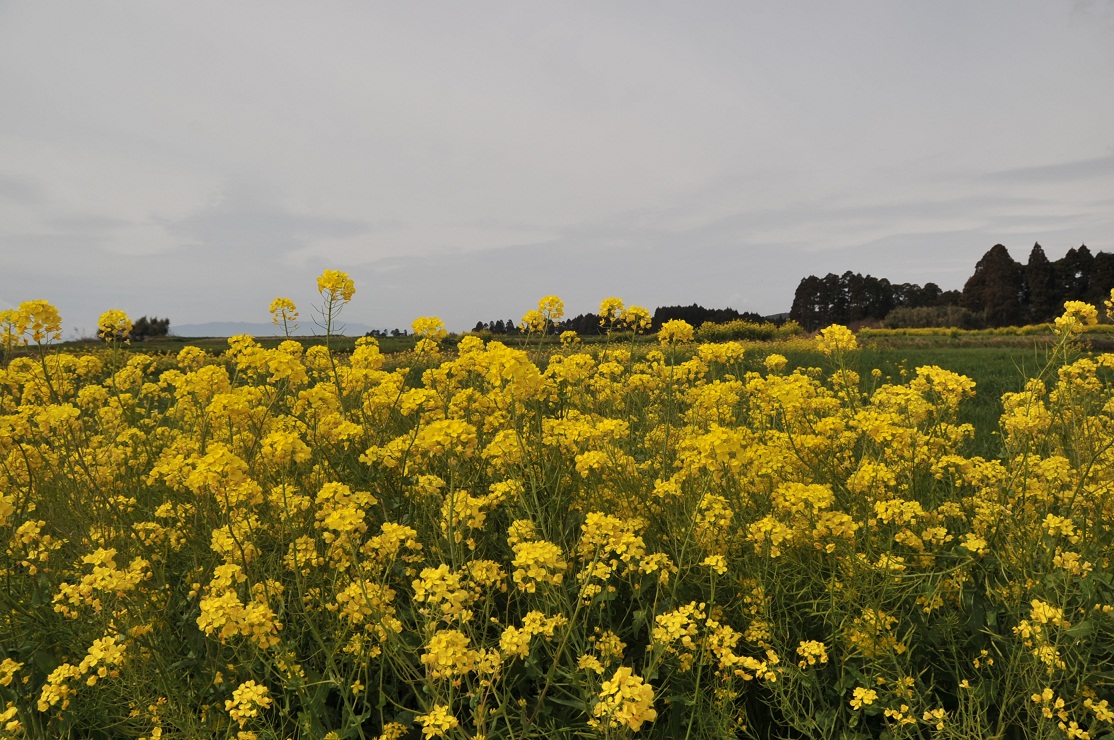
(1083, 629)
(577, 704)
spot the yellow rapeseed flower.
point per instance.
(8, 668)
(675, 331)
(550, 310)
(285, 314)
(449, 654)
(625, 700)
(41, 321)
(610, 308)
(1077, 314)
(775, 363)
(861, 697)
(114, 325)
(537, 562)
(247, 699)
(334, 285)
(836, 340)
(635, 318)
(429, 327)
(438, 722)
(812, 652)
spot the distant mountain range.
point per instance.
(232, 328)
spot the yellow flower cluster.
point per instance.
(608, 543)
(225, 615)
(675, 331)
(247, 700)
(515, 641)
(625, 700)
(429, 327)
(104, 579)
(449, 654)
(550, 310)
(537, 562)
(437, 722)
(284, 313)
(862, 697)
(370, 604)
(836, 340)
(335, 285)
(101, 659)
(8, 669)
(444, 591)
(615, 315)
(1077, 314)
(37, 321)
(114, 326)
(674, 632)
(812, 652)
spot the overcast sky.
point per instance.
(195, 160)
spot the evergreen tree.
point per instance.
(810, 307)
(1073, 272)
(145, 328)
(1102, 279)
(932, 295)
(585, 324)
(696, 315)
(995, 290)
(949, 298)
(835, 295)
(1041, 292)
(911, 295)
(868, 297)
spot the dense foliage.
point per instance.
(1000, 292)
(852, 298)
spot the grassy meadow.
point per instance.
(883, 536)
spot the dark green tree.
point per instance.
(995, 290)
(1073, 274)
(868, 297)
(1102, 279)
(696, 315)
(585, 324)
(811, 306)
(1041, 291)
(146, 328)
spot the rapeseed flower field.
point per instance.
(495, 542)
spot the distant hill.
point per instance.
(232, 328)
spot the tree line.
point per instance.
(147, 328)
(589, 324)
(852, 298)
(1001, 292)
(1005, 292)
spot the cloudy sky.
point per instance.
(196, 160)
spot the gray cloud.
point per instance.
(242, 220)
(1083, 169)
(20, 189)
(90, 224)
